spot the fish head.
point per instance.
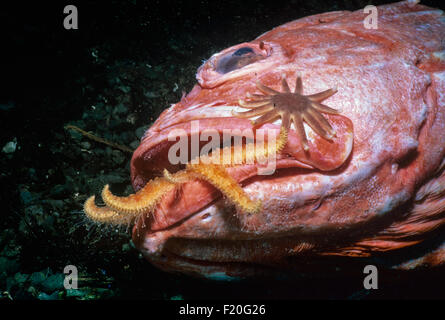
(350, 195)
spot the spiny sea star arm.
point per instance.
(240, 154)
(103, 214)
(218, 177)
(145, 200)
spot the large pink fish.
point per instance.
(376, 185)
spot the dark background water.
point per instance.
(128, 61)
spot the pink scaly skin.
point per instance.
(378, 186)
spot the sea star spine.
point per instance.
(219, 178)
(102, 214)
(142, 201)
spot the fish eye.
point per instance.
(236, 60)
(242, 51)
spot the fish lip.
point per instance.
(169, 256)
(154, 247)
(213, 270)
(168, 261)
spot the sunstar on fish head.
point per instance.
(290, 107)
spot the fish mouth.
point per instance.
(195, 218)
(153, 158)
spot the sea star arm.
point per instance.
(254, 112)
(254, 103)
(284, 85)
(102, 214)
(270, 116)
(266, 89)
(299, 85)
(320, 96)
(298, 123)
(318, 123)
(323, 108)
(285, 121)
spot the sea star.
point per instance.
(290, 106)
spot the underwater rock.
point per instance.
(53, 282)
(26, 197)
(44, 296)
(60, 191)
(37, 278)
(8, 266)
(118, 157)
(10, 147)
(140, 131)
